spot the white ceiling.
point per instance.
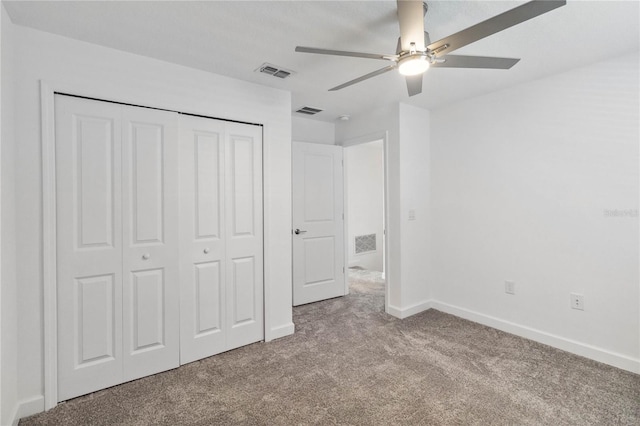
(233, 38)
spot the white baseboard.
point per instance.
(403, 313)
(597, 354)
(281, 331)
(28, 407)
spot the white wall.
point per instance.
(521, 183)
(313, 131)
(406, 130)
(106, 73)
(2, 12)
(364, 167)
(8, 299)
(415, 195)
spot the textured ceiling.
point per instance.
(233, 38)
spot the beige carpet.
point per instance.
(350, 363)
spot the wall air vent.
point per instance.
(309, 110)
(365, 243)
(274, 70)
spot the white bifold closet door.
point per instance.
(117, 243)
(221, 240)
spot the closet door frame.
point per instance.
(48, 90)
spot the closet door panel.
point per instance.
(147, 186)
(148, 309)
(243, 283)
(150, 235)
(202, 267)
(207, 174)
(89, 246)
(95, 312)
(244, 252)
(242, 150)
(208, 297)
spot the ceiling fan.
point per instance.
(415, 53)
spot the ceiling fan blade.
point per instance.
(364, 77)
(414, 84)
(457, 61)
(411, 18)
(344, 53)
(493, 25)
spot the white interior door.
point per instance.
(89, 246)
(117, 248)
(202, 248)
(244, 234)
(151, 339)
(318, 223)
(222, 238)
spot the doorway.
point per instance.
(365, 212)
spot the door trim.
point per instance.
(376, 136)
(49, 255)
(48, 91)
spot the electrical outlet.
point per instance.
(577, 301)
(412, 214)
(510, 287)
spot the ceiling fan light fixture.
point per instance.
(413, 65)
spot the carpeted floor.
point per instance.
(350, 363)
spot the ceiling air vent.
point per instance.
(309, 110)
(282, 74)
(274, 70)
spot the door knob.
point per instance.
(298, 231)
(206, 250)
(146, 256)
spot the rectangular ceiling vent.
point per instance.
(309, 110)
(274, 70)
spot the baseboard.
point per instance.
(403, 313)
(597, 354)
(28, 407)
(281, 331)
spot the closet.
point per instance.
(221, 236)
(159, 240)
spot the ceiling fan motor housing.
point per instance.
(427, 41)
